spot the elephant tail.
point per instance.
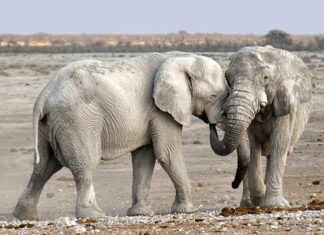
(39, 114)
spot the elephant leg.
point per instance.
(81, 152)
(245, 200)
(26, 206)
(143, 161)
(86, 200)
(167, 143)
(267, 169)
(280, 140)
(255, 178)
(176, 170)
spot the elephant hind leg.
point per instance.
(80, 150)
(86, 199)
(26, 206)
(143, 161)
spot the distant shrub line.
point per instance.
(182, 41)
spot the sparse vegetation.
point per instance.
(278, 38)
(182, 40)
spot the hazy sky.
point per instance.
(161, 16)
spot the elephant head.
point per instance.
(189, 84)
(264, 82)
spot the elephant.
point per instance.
(265, 113)
(93, 110)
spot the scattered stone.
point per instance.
(79, 229)
(199, 185)
(199, 219)
(66, 221)
(50, 195)
(294, 220)
(197, 142)
(316, 182)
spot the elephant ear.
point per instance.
(172, 88)
(290, 93)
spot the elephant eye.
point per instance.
(266, 77)
(214, 96)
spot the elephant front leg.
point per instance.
(175, 168)
(143, 161)
(167, 143)
(280, 140)
(245, 200)
(255, 174)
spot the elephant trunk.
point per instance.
(240, 113)
(241, 108)
(243, 159)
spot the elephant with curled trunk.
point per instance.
(268, 108)
(93, 110)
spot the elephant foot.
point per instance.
(245, 202)
(25, 213)
(275, 201)
(257, 196)
(89, 212)
(140, 209)
(257, 200)
(183, 207)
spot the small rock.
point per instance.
(95, 231)
(199, 220)
(79, 229)
(66, 221)
(49, 195)
(316, 182)
(224, 229)
(197, 142)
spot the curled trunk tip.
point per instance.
(221, 148)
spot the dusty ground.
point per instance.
(22, 76)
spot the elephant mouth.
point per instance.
(203, 116)
(264, 114)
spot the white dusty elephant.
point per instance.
(268, 106)
(93, 110)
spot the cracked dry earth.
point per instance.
(22, 76)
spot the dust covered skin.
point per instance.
(23, 76)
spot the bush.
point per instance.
(278, 38)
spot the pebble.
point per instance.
(313, 221)
(66, 221)
(79, 229)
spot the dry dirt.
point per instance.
(22, 76)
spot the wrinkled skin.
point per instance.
(93, 110)
(269, 101)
